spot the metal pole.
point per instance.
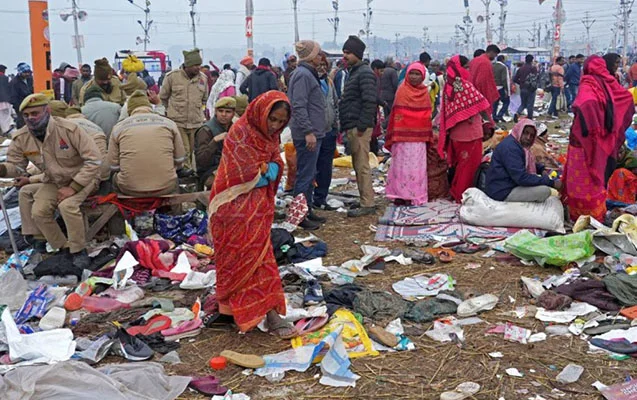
(146, 39)
(296, 21)
(14, 246)
(249, 26)
(192, 17)
(77, 34)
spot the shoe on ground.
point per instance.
(360, 212)
(474, 305)
(316, 218)
(325, 207)
(185, 173)
(81, 260)
(130, 347)
(516, 118)
(313, 294)
(308, 225)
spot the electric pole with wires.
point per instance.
(145, 25)
(192, 18)
(625, 8)
(588, 23)
(335, 21)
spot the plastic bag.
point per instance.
(556, 250)
(354, 336)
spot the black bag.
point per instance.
(480, 180)
(282, 244)
(531, 82)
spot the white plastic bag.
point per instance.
(480, 210)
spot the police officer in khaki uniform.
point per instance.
(145, 151)
(62, 110)
(70, 162)
(104, 79)
(184, 92)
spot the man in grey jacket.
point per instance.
(307, 123)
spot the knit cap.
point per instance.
(307, 49)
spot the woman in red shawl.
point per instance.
(603, 110)
(241, 214)
(461, 118)
(408, 132)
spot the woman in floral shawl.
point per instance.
(241, 214)
(461, 131)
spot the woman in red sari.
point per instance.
(461, 118)
(408, 134)
(603, 111)
(241, 214)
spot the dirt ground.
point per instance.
(433, 367)
(421, 374)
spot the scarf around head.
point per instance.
(225, 80)
(603, 110)
(460, 101)
(247, 147)
(516, 132)
(410, 118)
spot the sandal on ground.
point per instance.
(620, 346)
(217, 318)
(276, 329)
(243, 360)
(469, 248)
(382, 336)
(445, 257)
(208, 385)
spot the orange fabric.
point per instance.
(248, 282)
(622, 186)
(410, 119)
(290, 161)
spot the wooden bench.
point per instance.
(109, 213)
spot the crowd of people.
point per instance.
(108, 131)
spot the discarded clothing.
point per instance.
(57, 265)
(282, 242)
(591, 292)
(427, 310)
(552, 301)
(179, 228)
(380, 306)
(304, 253)
(73, 380)
(342, 296)
(623, 287)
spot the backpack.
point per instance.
(531, 82)
(480, 179)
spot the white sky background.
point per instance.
(111, 25)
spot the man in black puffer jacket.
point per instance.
(357, 110)
(260, 81)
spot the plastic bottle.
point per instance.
(570, 374)
(628, 260)
(74, 318)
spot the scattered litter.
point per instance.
(570, 374)
(514, 372)
(496, 354)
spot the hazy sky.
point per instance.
(111, 25)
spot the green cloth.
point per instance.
(93, 91)
(137, 99)
(555, 250)
(192, 57)
(623, 287)
(103, 70)
(58, 108)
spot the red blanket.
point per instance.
(482, 77)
